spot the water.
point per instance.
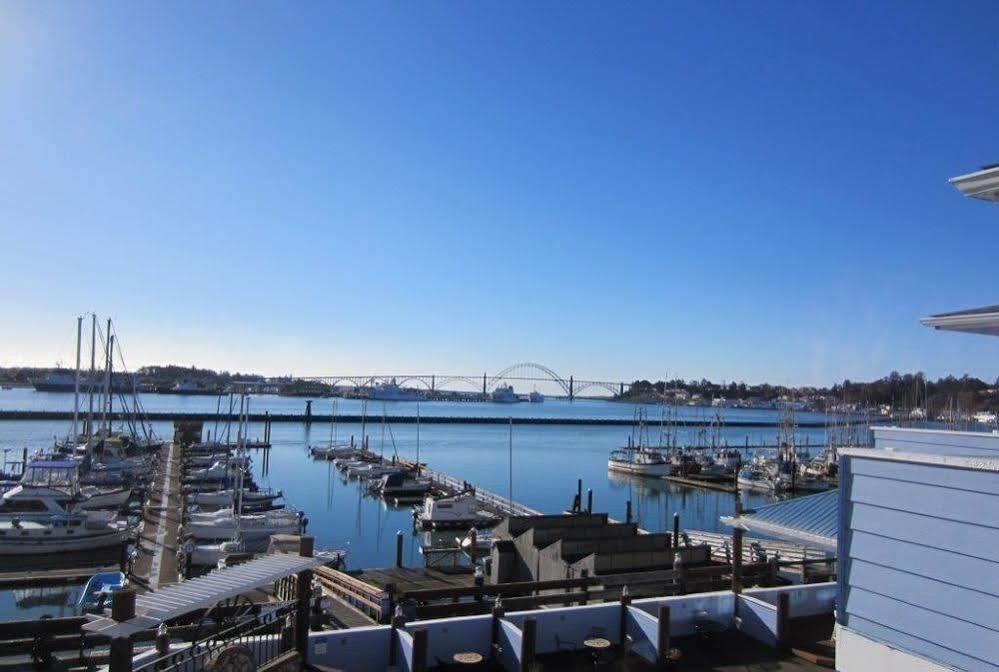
(546, 461)
(27, 399)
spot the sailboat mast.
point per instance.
(76, 381)
(511, 462)
(90, 379)
(417, 438)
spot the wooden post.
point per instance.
(420, 649)
(472, 550)
(676, 530)
(498, 613)
(122, 609)
(398, 620)
(783, 625)
(627, 511)
(306, 546)
(623, 619)
(585, 575)
(528, 644)
(589, 500)
(398, 548)
(579, 495)
(303, 593)
(662, 639)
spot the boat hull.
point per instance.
(25, 546)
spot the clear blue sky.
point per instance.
(733, 190)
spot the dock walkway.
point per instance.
(158, 543)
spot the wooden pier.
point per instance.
(158, 540)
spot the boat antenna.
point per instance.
(417, 438)
(382, 446)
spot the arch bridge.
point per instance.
(522, 372)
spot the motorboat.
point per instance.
(209, 555)
(99, 590)
(755, 476)
(334, 451)
(461, 511)
(61, 534)
(401, 484)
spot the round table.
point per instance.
(597, 643)
(467, 658)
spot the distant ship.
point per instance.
(504, 394)
(65, 381)
(390, 391)
(188, 387)
(536, 397)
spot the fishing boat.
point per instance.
(97, 593)
(188, 387)
(639, 462)
(755, 477)
(461, 511)
(536, 397)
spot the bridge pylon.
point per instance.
(571, 382)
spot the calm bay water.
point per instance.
(546, 461)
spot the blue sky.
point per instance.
(752, 191)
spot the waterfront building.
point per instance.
(918, 540)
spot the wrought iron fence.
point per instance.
(260, 636)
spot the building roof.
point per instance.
(812, 520)
(984, 320)
(983, 184)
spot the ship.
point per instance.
(65, 381)
(188, 387)
(390, 391)
(504, 394)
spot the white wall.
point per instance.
(856, 653)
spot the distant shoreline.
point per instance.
(301, 418)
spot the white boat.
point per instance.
(755, 477)
(333, 451)
(461, 511)
(224, 524)
(368, 470)
(229, 496)
(210, 554)
(61, 534)
(203, 461)
(504, 394)
(639, 461)
(985, 417)
(219, 471)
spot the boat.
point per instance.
(187, 387)
(536, 397)
(639, 461)
(984, 417)
(461, 511)
(61, 534)
(97, 593)
(229, 496)
(483, 542)
(224, 524)
(65, 381)
(390, 391)
(334, 451)
(755, 477)
(211, 554)
(401, 484)
(504, 394)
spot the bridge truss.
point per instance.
(523, 372)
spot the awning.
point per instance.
(202, 592)
(983, 320)
(811, 520)
(983, 184)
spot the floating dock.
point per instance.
(158, 541)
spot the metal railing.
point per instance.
(498, 502)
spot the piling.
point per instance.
(122, 609)
(662, 639)
(623, 618)
(676, 530)
(627, 511)
(398, 548)
(528, 644)
(589, 500)
(420, 636)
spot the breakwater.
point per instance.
(299, 418)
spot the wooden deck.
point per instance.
(407, 579)
(156, 553)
